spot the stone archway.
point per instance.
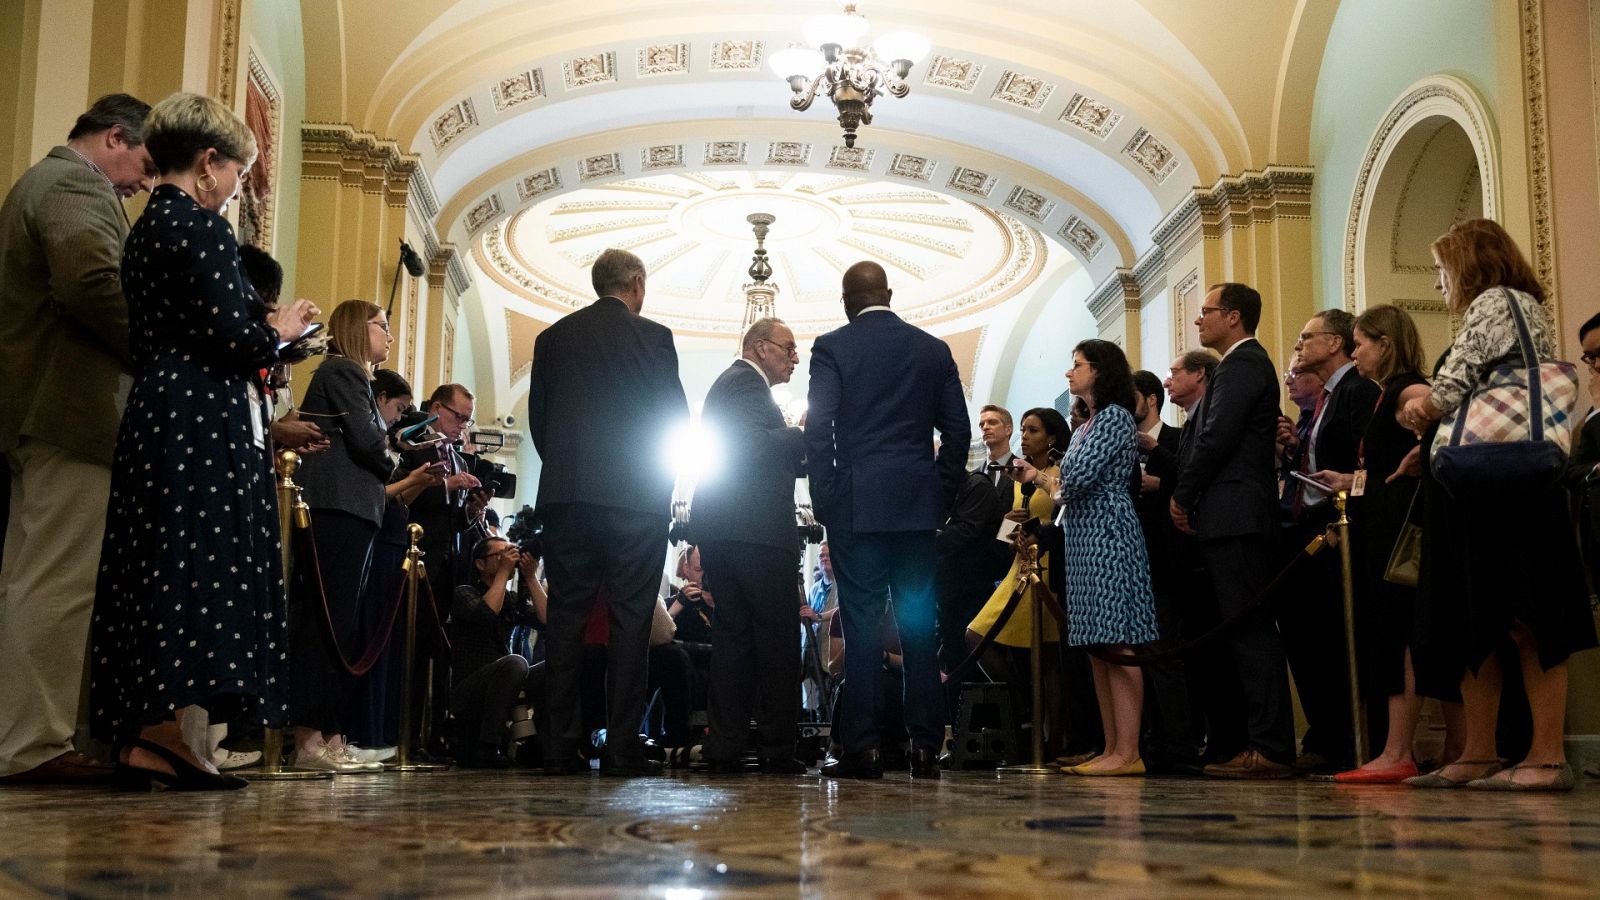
(1431, 163)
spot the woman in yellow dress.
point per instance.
(1045, 436)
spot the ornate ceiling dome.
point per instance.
(946, 258)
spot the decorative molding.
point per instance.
(538, 184)
(587, 206)
(971, 181)
(736, 56)
(1081, 234)
(648, 187)
(952, 222)
(788, 153)
(888, 197)
(1023, 91)
(1236, 201)
(332, 151)
(905, 165)
(726, 153)
(520, 88)
(909, 266)
(483, 212)
(227, 68)
(603, 165)
(919, 240)
(1152, 156)
(258, 213)
(663, 59)
(1439, 95)
(601, 227)
(453, 123)
(1118, 294)
(952, 73)
(854, 158)
(710, 181)
(1531, 17)
(1033, 205)
(1091, 115)
(422, 189)
(665, 156)
(596, 68)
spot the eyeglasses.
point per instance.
(789, 349)
(380, 323)
(463, 418)
(1204, 310)
(1308, 335)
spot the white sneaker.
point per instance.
(347, 753)
(327, 759)
(232, 759)
(372, 754)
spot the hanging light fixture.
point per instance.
(760, 298)
(852, 77)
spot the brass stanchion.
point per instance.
(1358, 718)
(292, 513)
(415, 572)
(1028, 576)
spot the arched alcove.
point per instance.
(1431, 164)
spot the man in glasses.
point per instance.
(744, 522)
(1583, 473)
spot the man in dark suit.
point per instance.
(743, 519)
(66, 371)
(879, 389)
(1312, 620)
(1173, 733)
(603, 399)
(1226, 497)
(1583, 472)
(995, 428)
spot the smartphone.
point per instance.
(429, 441)
(415, 431)
(1307, 479)
(311, 329)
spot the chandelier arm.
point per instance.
(801, 101)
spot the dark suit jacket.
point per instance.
(351, 474)
(1153, 509)
(752, 498)
(1344, 420)
(603, 398)
(1586, 489)
(1227, 482)
(443, 517)
(879, 389)
(66, 367)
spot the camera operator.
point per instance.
(487, 676)
(441, 511)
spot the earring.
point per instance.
(200, 183)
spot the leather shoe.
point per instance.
(924, 763)
(865, 765)
(69, 768)
(632, 768)
(1249, 764)
(782, 765)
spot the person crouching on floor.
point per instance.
(485, 675)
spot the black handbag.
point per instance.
(1405, 560)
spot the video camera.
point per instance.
(501, 484)
(527, 532)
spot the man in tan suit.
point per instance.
(65, 371)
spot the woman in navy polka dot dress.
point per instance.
(189, 609)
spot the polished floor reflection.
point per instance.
(689, 836)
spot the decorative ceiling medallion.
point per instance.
(453, 123)
(907, 166)
(1023, 90)
(735, 56)
(1030, 204)
(788, 153)
(602, 166)
(538, 183)
(956, 74)
(1091, 115)
(1079, 234)
(1151, 155)
(666, 156)
(854, 158)
(586, 70)
(518, 89)
(976, 183)
(725, 153)
(487, 209)
(663, 59)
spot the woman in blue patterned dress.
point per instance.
(1108, 599)
(189, 608)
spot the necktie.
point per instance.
(1305, 454)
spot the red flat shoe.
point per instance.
(1391, 775)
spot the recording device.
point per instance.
(527, 532)
(1312, 482)
(493, 477)
(411, 433)
(1014, 466)
(296, 343)
(429, 441)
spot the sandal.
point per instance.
(184, 776)
(1564, 780)
(1435, 780)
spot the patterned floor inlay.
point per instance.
(684, 837)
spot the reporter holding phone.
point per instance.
(345, 488)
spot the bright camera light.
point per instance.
(693, 452)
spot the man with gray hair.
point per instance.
(743, 520)
(603, 399)
(66, 370)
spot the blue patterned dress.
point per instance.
(1107, 569)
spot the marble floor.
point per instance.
(461, 834)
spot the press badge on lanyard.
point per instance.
(1358, 485)
(258, 412)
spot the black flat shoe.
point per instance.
(924, 763)
(187, 777)
(866, 765)
(782, 765)
(632, 768)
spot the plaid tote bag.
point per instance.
(1512, 436)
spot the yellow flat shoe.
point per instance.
(1134, 768)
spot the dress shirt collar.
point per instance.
(752, 365)
(1337, 377)
(1248, 337)
(1154, 430)
(882, 308)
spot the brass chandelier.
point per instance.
(851, 75)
